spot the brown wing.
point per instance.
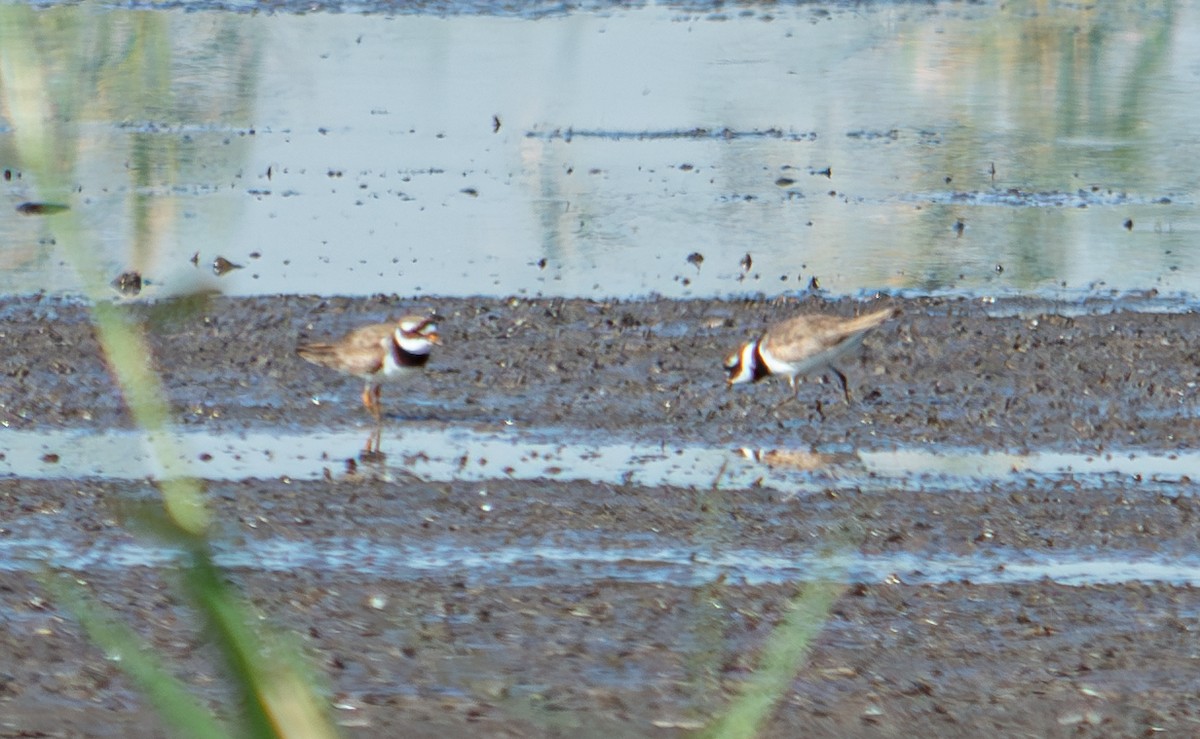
(357, 353)
(799, 338)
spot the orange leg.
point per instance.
(373, 441)
(370, 399)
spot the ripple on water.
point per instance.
(445, 454)
(455, 454)
(528, 566)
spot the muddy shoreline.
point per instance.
(554, 648)
(1006, 375)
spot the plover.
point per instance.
(377, 353)
(800, 345)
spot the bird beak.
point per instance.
(434, 338)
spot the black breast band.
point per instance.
(407, 359)
(760, 366)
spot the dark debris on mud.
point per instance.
(956, 372)
(454, 653)
(539, 649)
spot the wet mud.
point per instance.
(462, 642)
(1002, 376)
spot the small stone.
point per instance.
(221, 266)
(128, 283)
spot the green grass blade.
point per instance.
(783, 657)
(182, 713)
(37, 98)
(281, 702)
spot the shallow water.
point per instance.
(555, 555)
(545, 565)
(446, 454)
(985, 150)
(981, 150)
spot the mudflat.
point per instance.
(464, 642)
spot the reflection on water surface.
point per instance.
(918, 149)
(455, 453)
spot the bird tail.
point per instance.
(870, 320)
(316, 353)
